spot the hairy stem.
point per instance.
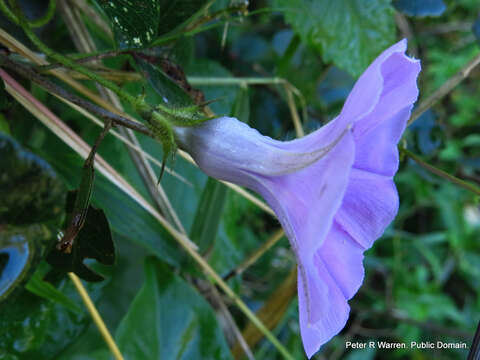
(30, 74)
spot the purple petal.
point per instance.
(328, 302)
(384, 125)
(369, 205)
(368, 88)
(332, 190)
(379, 107)
(315, 190)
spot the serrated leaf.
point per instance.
(349, 33)
(180, 323)
(135, 22)
(420, 8)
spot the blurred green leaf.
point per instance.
(420, 8)
(4, 127)
(241, 106)
(180, 323)
(174, 13)
(29, 189)
(4, 97)
(349, 33)
(224, 95)
(169, 91)
(31, 196)
(208, 216)
(46, 290)
(32, 328)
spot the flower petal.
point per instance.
(369, 205)
(382, 158)
(368, 88)
(306, 201)
(384, 125)
(338, 272)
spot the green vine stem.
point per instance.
(459, 182)
(52, 5)
(72, 64)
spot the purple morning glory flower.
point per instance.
(332, 191)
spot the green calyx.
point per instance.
(162, 119)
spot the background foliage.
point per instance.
(422, 277)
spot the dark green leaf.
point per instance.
(29, 189)
(241, 106)
(32, 328)
(4, 127)
(135, 22)
(476, 29)
(30, 194)
(349, 33)
(48, 291)
(125, 216)
(170, 92)
(420, 8)
(169, 320)
(94, 241)
(224, 95)
(4, 97)
(208, 215)
(175, 12)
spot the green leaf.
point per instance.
(94, 241)
(46, 290)
(32, 328)
(176, 12)
(223, 94)
(135, 22)
(4, 97)
(31, 196)
(241, 106)
(209, 213)
(349, 33)
(29, 189)
(125, 216)
(169, 320)
(4, 127)
(170, 92)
